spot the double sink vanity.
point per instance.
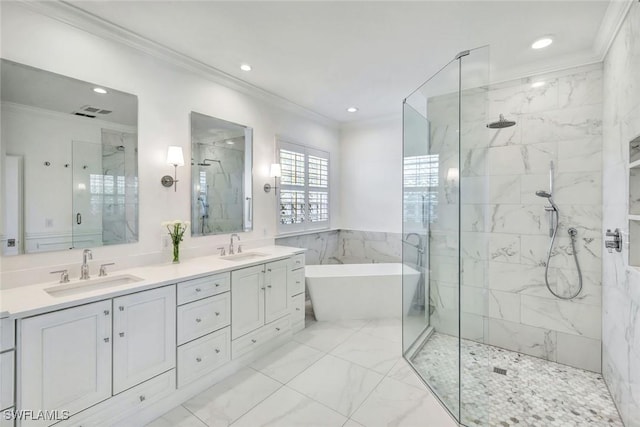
(136, 342)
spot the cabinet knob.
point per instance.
(217, 313)
(262, 288)
(269, 286)
(198, 359)
(254, 341)
(121, 334)
(106, 340)
(142, 398)
(217, 350)
(217, 285)
(268, 269)
(106, 312)
(198, 290)
(297, 308)
(297, 282)
(277, 329)
(121, 308)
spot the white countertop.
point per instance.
(30, 300)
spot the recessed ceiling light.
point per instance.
(99, 90)
(537, 84)
(352, 109)
(542, 43)
(245, 67)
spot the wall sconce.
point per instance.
(275, 172)
(175, 158)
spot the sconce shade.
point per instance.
(275, 171)
(174, 156)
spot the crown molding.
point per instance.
(610, 25)
(93, 24)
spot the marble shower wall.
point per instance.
(621, 296)
(504, 227)
(347, 246)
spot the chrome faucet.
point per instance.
(84, 270)
(231, 250)
(418, 246)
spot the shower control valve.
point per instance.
(616, 243)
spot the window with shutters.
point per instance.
(420, 189)
(303, 196)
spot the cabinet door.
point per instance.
(276, 295)
(247, 300)
(65, 359)
(144, 336)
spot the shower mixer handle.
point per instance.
(616, 243)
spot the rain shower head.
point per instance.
(501, 123)
(542, 193)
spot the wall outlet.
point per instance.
(166, 241)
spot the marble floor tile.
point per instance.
(287, 361)
(226, 401)
(390, 329)
(288, 408)
(177, 417)
(369, 351)
(402, 372)
(394, 403)
(336, 383)
(324, 336)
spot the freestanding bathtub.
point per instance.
(358, 291)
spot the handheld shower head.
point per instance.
(542, 193)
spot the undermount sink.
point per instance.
(81, 286)
(245, 256)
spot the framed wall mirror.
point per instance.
(221, 168)
(69, 162)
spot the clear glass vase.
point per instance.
(176, 253)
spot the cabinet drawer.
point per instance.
(296, 261)
(203, 355)
(7, 334)
(203, 287)
(263, 335)
(204, 316)
(295, 282)
(7, 361)
(297, 308)
(125, 403)
(298, 326)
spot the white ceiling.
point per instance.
(327, 56)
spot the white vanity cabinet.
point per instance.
(296, 291)
(144, 336)
(65, 359)
(7, 368)
(259, 296)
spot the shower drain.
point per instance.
(500, 371)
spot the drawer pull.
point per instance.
(121, 334)
(269, 286)
(297, 282)
(106, 312)
(217, 285)
(262, 288)
(268, 269)
(277, 329)
(217, 350)
(198, 359)
(121, 308)
(254, 341)
(142, 398)
(217, 313)
(106, 340)
(198, 290)
(198, 320)
(297, 308)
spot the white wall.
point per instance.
(371, 175)
(166, 95)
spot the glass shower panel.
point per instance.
(445, 248)
(431, 234)
(88, 197)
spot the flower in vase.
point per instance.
(176, 229)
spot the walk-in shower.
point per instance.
(483, 331)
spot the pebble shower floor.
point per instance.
(533, 392)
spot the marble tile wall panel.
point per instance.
(621, 282)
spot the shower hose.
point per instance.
(572, 233)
